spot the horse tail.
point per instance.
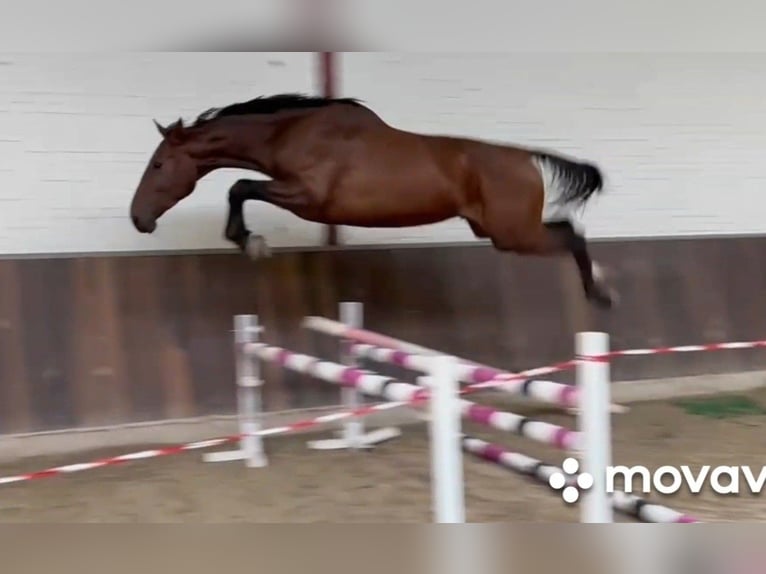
(567, 181)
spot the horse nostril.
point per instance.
(134, 219)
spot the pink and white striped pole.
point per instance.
(398, 391)
(629, 504)
(479, 377)
(338, 329)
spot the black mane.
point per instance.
(271, 105)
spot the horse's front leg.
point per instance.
(236, 231)
(293, 197)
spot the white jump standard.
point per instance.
(249, 409)
(594, 422)
(447, 483)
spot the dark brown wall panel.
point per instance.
(105, 340)
(48, 314)
(16, 413)
(100, 388)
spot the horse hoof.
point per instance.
(257, 248)
(604, 298)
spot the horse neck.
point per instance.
(233, 143)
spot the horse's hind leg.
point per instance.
(592, 276)
(559, 237)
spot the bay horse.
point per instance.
(335, 161)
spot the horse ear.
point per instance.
(163, 130)
(175, 132)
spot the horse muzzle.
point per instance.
(144, 225)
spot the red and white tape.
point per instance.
(170, 450)
(338, 329)
(686, 349)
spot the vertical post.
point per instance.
(353, 434)
(446, 451)
(328, 79)
(249, 407)
(246, 330)
(350, 313)
(594, 423)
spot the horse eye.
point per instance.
(157, 165)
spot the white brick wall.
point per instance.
(681, 137)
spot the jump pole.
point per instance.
(418, 353)
(353, 435)
(628, 504)
(414, 395)
(249, 404)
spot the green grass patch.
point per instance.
(721, 407)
